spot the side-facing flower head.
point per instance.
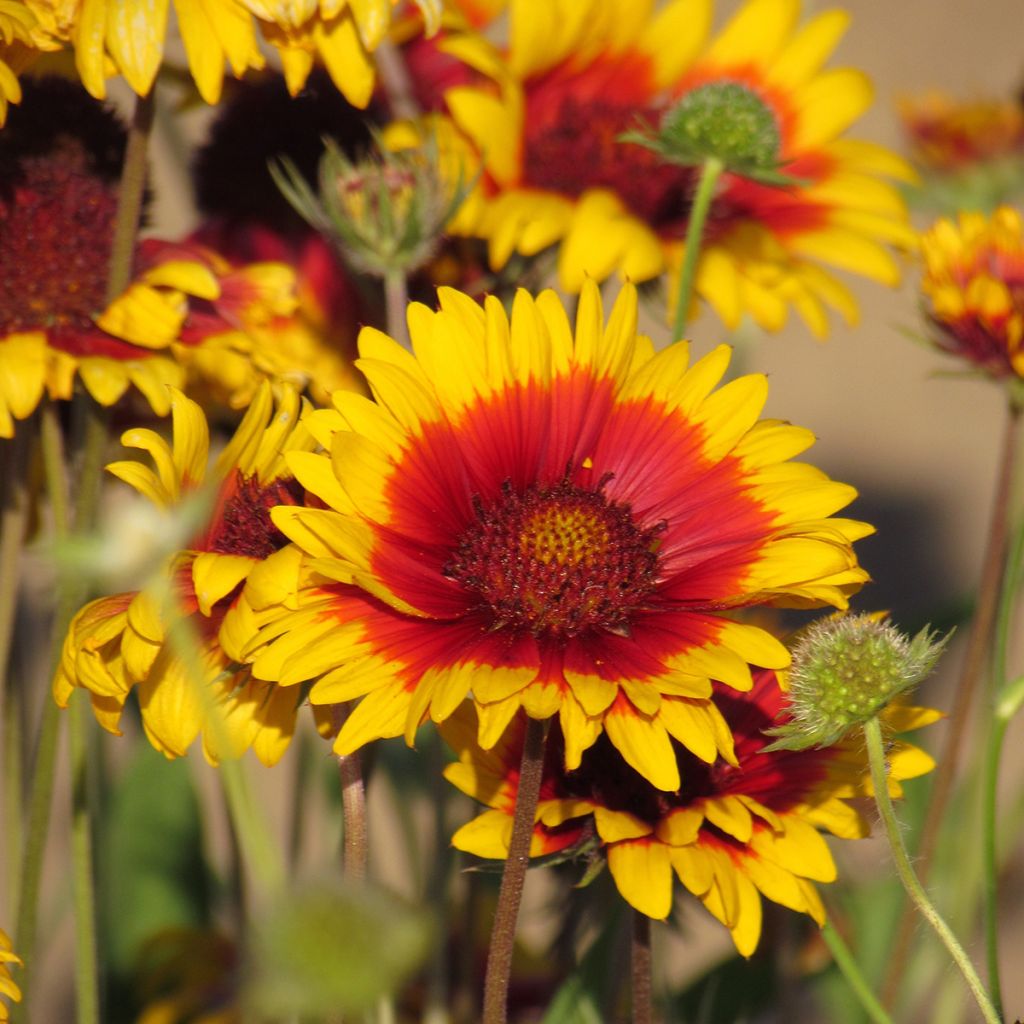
(734, 832)
(973, 287)
(8, 988)
(550, 520)
(545, 124)
(847, 669)
(124, 642)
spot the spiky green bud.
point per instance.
(845, 670)
(384, 213)
(726, 121)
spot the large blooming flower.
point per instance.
(8, 988)
(122, 642)
(544, 125)
(59, 163)
(128, 38)
(555, 522)
(973, 286)
(733, 832)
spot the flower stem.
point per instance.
(14, 512)
(989, 587)
(503, 934)
(640, 969)
(130, 195)
(905, 870)
(709, 175)
(396, 298)
(355, 837)
(851, 971)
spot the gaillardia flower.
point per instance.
(973, 287)
(545, 126)
(733, 832)
(550, 521)
(8, 988)
(128, 38)
(60, 160)
(123, 642)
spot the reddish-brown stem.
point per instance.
(503, 934)
(975, 657)
(355, 844)
(640, 969)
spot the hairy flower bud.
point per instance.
(845, 670)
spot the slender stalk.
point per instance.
(989, 587)
(13, 524)
(1006, 706)
(87, 996)
(640, 969)
(355, 837)
(503, 933)
(709, 175)
(130, 195)
(851, 971)
(396, 299)
(397, 82)
(905, 870)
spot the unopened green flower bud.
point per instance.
(384, 213)
(845, 670)
(726, 121)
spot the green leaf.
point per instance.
(334, 947)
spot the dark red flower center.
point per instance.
(57, 223)
(576, 147)
(556, 561)
(241, 524)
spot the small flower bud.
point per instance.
(385, 213)
(845, 670)
(723, 120)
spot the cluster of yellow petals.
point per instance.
(128, 38)
(8, 987)
(974, 286)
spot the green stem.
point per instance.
(130, 196)
(709, 175)
(905, 870)
(851, 971)
(503, 933)
(13, 525)
(87, 996)
(396, 299)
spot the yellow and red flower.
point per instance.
(555, 522)
(973, 287)
(951, 135)
(543, 124)
(124, 642)
(60, 160)
(734, 832)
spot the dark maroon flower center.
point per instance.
(556, 561)
(57, 224)
(242, 523)
(578, 148)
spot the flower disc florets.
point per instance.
(846, 670)
(557, 560)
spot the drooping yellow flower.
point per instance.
(127, 38)
(973, 286)
(736, 831)
(544, 125)
(8, 987)
(119, 643)
(554, 522)
(946, 134)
